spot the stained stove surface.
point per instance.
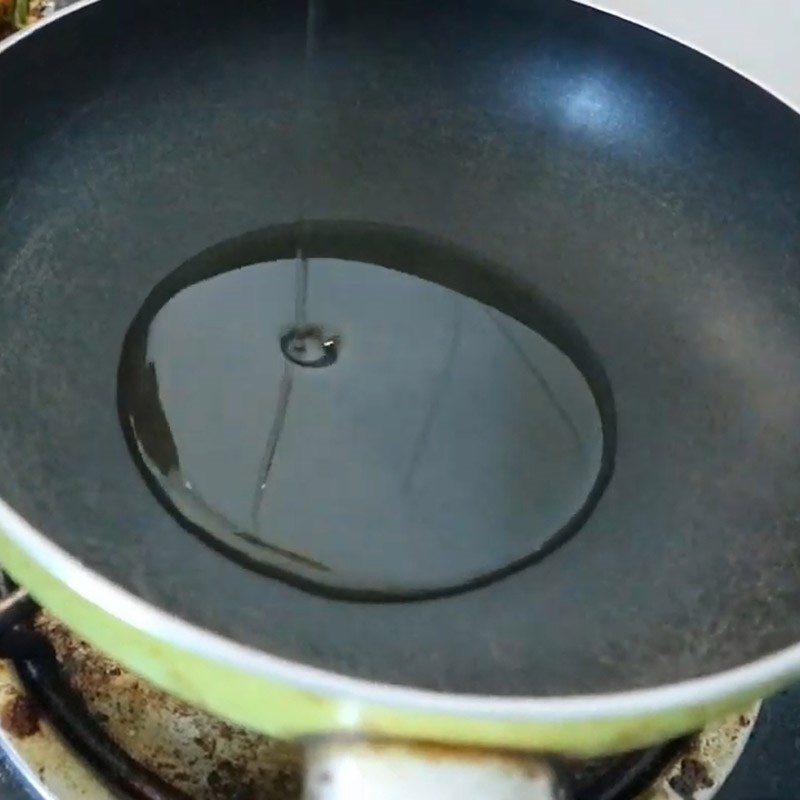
(77, 725)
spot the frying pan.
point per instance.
(645, 196)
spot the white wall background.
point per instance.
(759, 38)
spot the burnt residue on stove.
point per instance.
(205, 758)
(152, 746)
(693, 776)
(695, 771)
(188, 752)
(624, 776)
(19, 716)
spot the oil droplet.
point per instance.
(309, 346)
(450, 438)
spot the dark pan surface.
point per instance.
(647, 192)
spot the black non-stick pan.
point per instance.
(424, 369)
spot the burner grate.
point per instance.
(112, 719)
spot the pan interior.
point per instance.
(645, 197)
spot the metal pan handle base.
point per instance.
(362, 769)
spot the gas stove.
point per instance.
(75, 724)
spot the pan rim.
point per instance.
(742, 681)
(773, 669)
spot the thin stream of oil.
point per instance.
(306, 139)
(305, 126)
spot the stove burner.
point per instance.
(67, 711)
(78, 691)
